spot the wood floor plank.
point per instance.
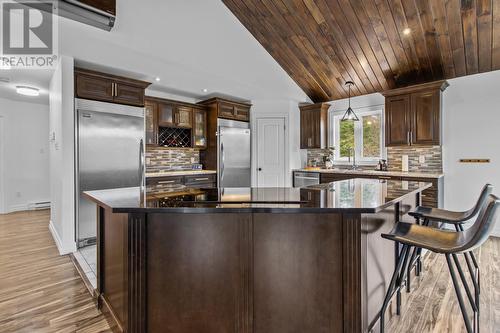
(432, 304)
(41, 291)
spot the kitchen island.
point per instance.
(249, 259)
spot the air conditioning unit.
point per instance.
(102, 17)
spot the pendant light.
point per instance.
(349, 115)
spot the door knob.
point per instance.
(260, 169)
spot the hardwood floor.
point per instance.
(41, 291)
(432, 306)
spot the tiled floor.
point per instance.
(87, 258)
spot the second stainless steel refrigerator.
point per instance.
(233, 154)
(110, 154)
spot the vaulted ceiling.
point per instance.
(377, 44)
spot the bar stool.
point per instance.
(428, 214)
(449, 243)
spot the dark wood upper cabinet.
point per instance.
(228, 109)
(199, 128)
(161, 112)
(413, 115)
(93, 87)
(109, 88)
(166, 114)
(129, 94)
(314, 126)
(397, 115)
(426, 111)
(183, 116)
(151, 120)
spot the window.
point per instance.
(363, 138)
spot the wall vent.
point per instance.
(39, 205)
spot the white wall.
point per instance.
(62, 149)
(24, 168)
(278, 108)
(471, 129)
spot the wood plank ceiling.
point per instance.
(377, 44)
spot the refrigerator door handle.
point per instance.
(221, 162)
(141, 163)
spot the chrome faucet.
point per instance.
(353, 154)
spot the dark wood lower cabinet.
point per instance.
(245, 272)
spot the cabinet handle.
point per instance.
(408, 138)
(309, 142)
(382, 177)
(199, 179)
(166, 182)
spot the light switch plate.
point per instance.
(421, 159)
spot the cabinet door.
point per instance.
(315, 128)
(226, 110)
(166, 115)
(94, 87)
(425, 118)
(183, 116)
(151, 119)
(129, 94)
(242, 113)
(397, 120)
(199, 128)
(306, 129)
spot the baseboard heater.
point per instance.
(39, 205)
(79, 11)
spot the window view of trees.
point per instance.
(364, 136)
(371, 136)
(346, 137)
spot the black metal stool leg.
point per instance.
(474, 274)
(459, 293)
(476, 265)
(464, 282)
(402, 277)
(390, 291)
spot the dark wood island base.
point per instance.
(241, 267)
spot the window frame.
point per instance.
(334, 133)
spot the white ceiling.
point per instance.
(191, 45)
(28, 77)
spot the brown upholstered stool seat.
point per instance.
(436, 240)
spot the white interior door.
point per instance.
(270, 152)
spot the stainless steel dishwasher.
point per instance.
(301, 179)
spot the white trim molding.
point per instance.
(60, 245)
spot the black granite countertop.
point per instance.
(346, 196)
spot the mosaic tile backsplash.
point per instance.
(165, 159)
(433, 156)
(317, 155)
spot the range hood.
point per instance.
(83, 12)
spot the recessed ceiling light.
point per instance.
(157, 79)
(27, 91)
(205, 90)
(407, 31)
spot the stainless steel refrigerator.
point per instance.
(233, 153)
(109, 154)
